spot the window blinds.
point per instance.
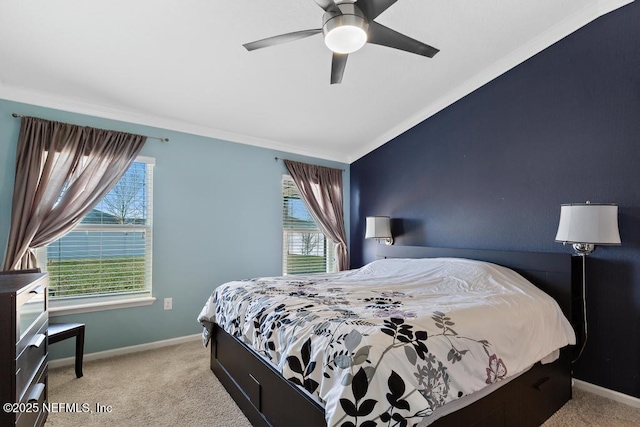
(110, 251)
(305, 248)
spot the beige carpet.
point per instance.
(173, 386)
(586, 409)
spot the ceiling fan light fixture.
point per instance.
(347, 32)
(346, 28)
(345, 39)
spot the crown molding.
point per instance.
(41, 99)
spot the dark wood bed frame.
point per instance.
(267, 399)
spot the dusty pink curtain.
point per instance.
(62, 172)
(321, 190)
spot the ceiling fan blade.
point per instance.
(373, 8)
(338, 62)
(329, 6)
(383, 36)
(282, 38)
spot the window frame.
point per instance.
(84, 304)
(329, 245)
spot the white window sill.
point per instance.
(76, 306)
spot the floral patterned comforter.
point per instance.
(389, 343)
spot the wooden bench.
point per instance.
(61, 331)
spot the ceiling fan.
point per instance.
(347, 27)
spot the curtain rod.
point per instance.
(16, 115)
(280, 158)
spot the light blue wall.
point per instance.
(217, 217)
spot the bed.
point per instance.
(395, 358)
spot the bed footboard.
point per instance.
(268, 400)
(265, 397)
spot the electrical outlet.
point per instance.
(168, 303)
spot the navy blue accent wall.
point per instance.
(492, 170)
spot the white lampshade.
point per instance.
(345, 32)
(345, 39)
(378, 227)
(594, 223)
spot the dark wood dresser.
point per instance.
(23, 349)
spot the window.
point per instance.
(109, 252)
(305, 248)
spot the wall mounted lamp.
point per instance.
(586, 225)
(379, 228)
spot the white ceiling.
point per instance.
(180, 65)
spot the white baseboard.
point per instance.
(67, 361)
(605, 392)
